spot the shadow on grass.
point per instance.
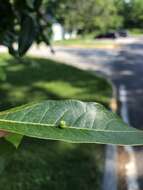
(38, 79)
(54, 165)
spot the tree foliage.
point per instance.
(22, 23)
(131, 12)
(86, 16)
(26, 21)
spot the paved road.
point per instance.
(130, 73)
(122, 66)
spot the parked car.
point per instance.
(109, 35)
(123, 33)
(113, 34)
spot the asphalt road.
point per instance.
(128, 70)
(122, 66)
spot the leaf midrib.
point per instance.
(68, 127)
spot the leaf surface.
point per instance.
(83, 123)
(27, 34)
(30, 3)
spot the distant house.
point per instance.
(59, 33)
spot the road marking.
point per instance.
(110, 170)
(130, 167)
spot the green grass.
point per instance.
(42, 165)
(52, 165)
(136, 31)
(37, 79)
(86, 43)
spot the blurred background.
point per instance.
(72, 49)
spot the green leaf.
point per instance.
(30, 3)
(27, 34)
(33, 3)
(15, 139)
(70, 121)
(37, 3)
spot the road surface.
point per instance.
(129, 71)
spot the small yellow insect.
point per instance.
(62, 124)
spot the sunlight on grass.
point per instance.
(39, 79)
(61, 88)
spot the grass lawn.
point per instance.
(51, 165)
(136, 32)
(87, 43)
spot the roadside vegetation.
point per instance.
(50, 164)
(84, 18)
(136, 32)
(87, 42)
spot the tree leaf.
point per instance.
(15, 139)
(37, 3)
(33, 3)
(70, 121)
(30, 3)
(27, 34)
